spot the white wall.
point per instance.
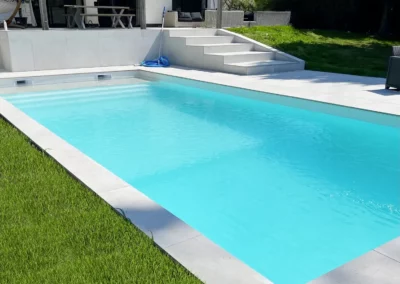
(5, 57)
(66, 49)
(154, 9)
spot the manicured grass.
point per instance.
(54, 230)
(330, 51)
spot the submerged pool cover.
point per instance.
(291, 192)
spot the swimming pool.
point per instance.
(282, 188)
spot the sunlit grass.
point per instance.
(330, 51)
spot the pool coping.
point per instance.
(205, 259)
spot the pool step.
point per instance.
(71, 93)
(81, 100)
(62, 97)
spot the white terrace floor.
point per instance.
(381, 265)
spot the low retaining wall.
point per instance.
(235, 18)
(232, 19)
(272, 18)
(35, 50)
(229, 18)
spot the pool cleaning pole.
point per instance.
(161, 37)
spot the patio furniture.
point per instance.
(8, 11)
(76, 17)
(183, 19)
(393, 75)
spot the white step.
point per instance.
(68, 96)
(225, 47)
(244, 56)
(261, 67)
(179, 32)
(208, 39)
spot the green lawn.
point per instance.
(54, 230)
(330, 51)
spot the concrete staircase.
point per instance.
(223, 51)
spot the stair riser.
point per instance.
(228, 48)
(274, 69)
(208, 40)
(240, 70)
(191, 32)
(249, 57)
(214, 60)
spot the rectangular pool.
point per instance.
(293, 192)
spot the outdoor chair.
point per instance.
(393, 74)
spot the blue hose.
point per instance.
(160, 62)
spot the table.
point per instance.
(78, 17)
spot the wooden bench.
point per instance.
(75, 14)
(116, 19)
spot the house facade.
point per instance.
(30, 11)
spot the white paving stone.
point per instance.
(391, 249)
(154, 220)
(371, 268)
(211, 263)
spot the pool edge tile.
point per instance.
(370, 268)
(211, 263)
(390, 249)
(202, 257)
(155, 221)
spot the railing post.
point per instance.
(142, 14)
(219, 14)
(43, 14)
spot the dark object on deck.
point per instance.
(184, 17)
(21, 21)
(396, 51)
(248, 16)
(196, 17)
(393, 75)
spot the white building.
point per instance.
(56, 11)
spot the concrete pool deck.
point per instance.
(201, 256)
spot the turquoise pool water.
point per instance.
(291, 192)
